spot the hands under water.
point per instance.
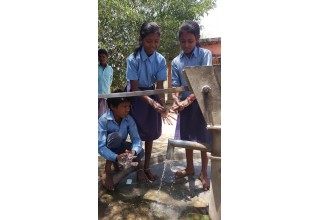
(125, 159)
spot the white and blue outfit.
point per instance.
(105, 77)
(112, 137)
(191, 124)
(147, 71)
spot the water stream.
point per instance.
(163, 199)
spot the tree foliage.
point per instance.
(119, 24)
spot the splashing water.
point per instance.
(126, 161)
(164, 169)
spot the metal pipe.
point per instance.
(210, 157)
(214, 127)
(143, 93)
(184, 144)
(215, 200)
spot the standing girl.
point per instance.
(191, 125)
(147, 70)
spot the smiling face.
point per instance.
(188, 42)
(151, 43)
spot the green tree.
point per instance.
(119, 24)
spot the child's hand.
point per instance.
(122, 158)
(125, 159)
(131, 157)
(167, 115)
(179, 106)
(156, 105)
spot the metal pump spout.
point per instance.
(183, 144)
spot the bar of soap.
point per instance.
(129, 181)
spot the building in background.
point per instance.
(214, 45)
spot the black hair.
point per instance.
(102, 51)
(146, 29)
(190, 27)
(116, 101)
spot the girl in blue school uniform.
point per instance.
(191, 125)
(147, 70)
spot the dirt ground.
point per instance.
(178, 198)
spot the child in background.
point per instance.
(113, 129)
(105, 77)
(191, 125)
(147, 70)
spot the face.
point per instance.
(187, 42)
(122, 110)
(150, 43)
(103, 59)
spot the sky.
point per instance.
(211, 24)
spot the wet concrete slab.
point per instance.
(165, 198)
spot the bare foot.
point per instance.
(183, 173)
(150, 175)
(141, 177)
(107, 181)
(205, 181)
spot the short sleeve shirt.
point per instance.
(147, 70)
(105, 77)
(199, 57)
(108, 125)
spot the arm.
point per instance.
(109, 81)
(133, 76)
(134, 136)
(103, 150)
(176, 82)
(161, 77)
(161, 98)
(134, 87)
(207, 58)
(111, 76)
(179, 105)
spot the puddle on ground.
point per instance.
(163, 199)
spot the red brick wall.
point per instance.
(216, 51)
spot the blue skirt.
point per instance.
(148, 120)
(191, 125)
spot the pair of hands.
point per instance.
(125, 159)
(180, 105)
(166, 113)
